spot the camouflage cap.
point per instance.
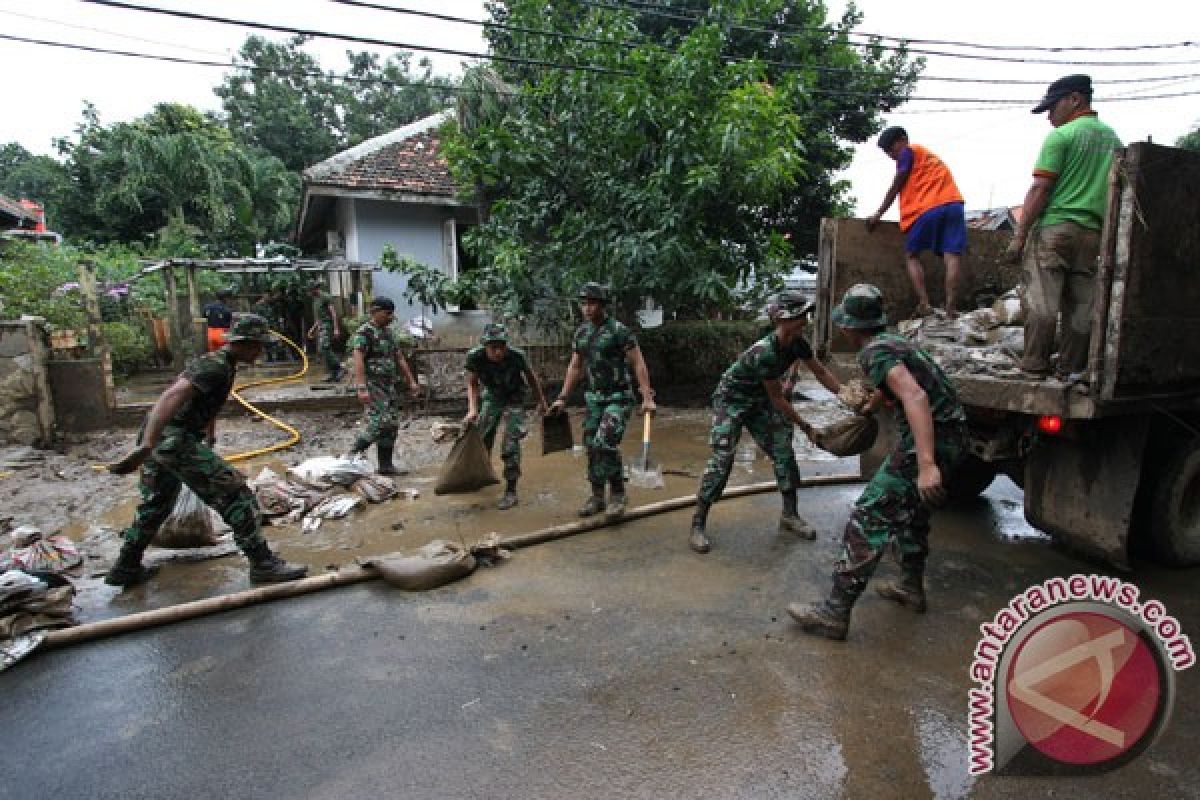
(862, 307)
(381, 303)
(593, 291)
(250, 328)
(494, 333)
(789, 304)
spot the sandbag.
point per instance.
(433, 565)
(855, 394)
(556, 433)
(847, 437)
(468, 467)
(191, 523)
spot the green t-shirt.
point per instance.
(887, 350)
(503, 380)
(1080, 154)
(212, 375)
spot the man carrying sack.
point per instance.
(931, 439)
(378, 362)
(609, 352)
(175, 448)
(750, 395)
(504, 373)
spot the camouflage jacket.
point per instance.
(503, 380)
(379, 348)
(765, 360)
(212, 375)
(887, 350)
(604, 349)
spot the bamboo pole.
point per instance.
(359, 574)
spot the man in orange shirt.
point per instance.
(931, 213)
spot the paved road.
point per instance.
(615, 664)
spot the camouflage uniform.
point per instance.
(740, 400)
(324, 320)
(604, 349)
(182, 457)
(379, 349)
(504, 392)
(890, 508)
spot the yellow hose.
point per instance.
(293, 434)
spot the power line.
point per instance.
(782, 64)
(106, 33)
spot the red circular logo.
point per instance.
(1084, 688)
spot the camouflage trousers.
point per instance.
(770, 430)
(325, 347)
(182, 458)
(890, 511)
(516, 428)
(380, 416)
(603, 429)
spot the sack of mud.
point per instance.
(847, 437)
(433, 565)
(468, 466)
(556, 433)
(191, 523)
(854, 394)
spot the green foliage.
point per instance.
(685, 359)
(1190, 141)
(38, 178)
(429, 286)
(130, 345)
(30, 275)
(678, 174)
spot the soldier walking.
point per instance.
(895, 507)
(326, 327)
(378, 362)
(175, 448)
(751, 395)
(504, 373)
(608, 352)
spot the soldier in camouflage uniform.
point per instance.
(751, 395)
(270, 308)
(504, 372)
(326, 327)
(895, 506)
(175, 448)
(378, 362)
(608, 352)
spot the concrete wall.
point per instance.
(80, 396)
(26, 405)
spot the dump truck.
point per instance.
(1111, 464)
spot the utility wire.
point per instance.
(782, 64)
(107, 33)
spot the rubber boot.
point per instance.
(790, 520)
(909, 591)
(266, 567)
(617, 500)
(697, 540)
(127, 570)
(829, 618)
(510, 497)
(384, 453)
(594, 504)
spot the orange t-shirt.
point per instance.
(929, 185)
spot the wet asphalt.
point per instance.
(609, 665)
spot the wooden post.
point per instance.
(35, 330)
(97, 345)
(199, 343)
(176, 328)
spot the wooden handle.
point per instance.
(646, 427)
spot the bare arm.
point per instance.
(337, 325)
(414, 386)
(531, 378)
(1036, 200)
(783, 405)
(472, 398)
(360, 375)
(889, 198)
(634, 357)
(823, 375)
(920, 419)
(164, 408)
(574, 370)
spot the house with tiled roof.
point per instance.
(24, 219)
(394, 189)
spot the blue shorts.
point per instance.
(942, 230)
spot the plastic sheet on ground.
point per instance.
(325, 472)
(28, 604)
(330, 508)
(54, 553)
(278, 496)
(375, 488)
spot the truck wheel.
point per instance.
(968, 480)
(1175, 506)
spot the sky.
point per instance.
(989, 149)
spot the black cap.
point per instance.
(383, 304)
(593, 291)
(890, 135)
(1063, 87)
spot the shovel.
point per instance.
(643, 474)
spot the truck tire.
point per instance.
(1175, 506)
(969, 479)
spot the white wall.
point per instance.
(413, 230)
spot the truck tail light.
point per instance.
(1051, 424)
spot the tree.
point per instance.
(1190, 141)
(678, 163)
(38, 178)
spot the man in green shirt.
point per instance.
(1064, 213)
(325, 329)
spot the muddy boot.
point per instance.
(593, 506)
(127, 570)
(796, 524)
(829, 618)
(616, 506)
(510, 497)
(697, 540)
(266, 567)
(909, 591)
(384, 453)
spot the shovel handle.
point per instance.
(646, 428)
